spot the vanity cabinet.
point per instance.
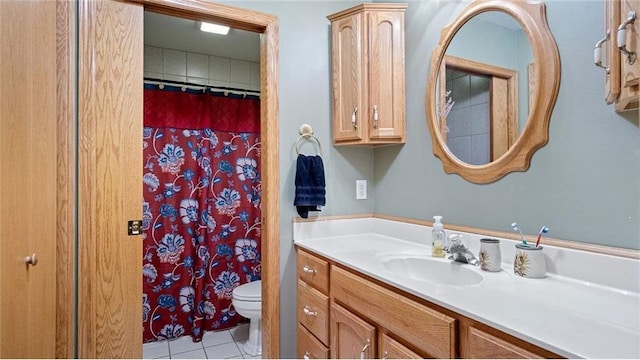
(368, 74)
(622, 79)
(358, 317)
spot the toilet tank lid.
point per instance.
(250, 290)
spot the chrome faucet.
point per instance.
(459, 252)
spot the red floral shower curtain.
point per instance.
(201, 211)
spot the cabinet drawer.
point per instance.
(481, 345)
(313, 270)
(309, 346)
(427, 329)
(313, 311)
(391, 349)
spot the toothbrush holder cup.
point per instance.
(529, 262)
(490, 258)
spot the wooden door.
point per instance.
(109, 180)
(386, 76)
(348, 115)
(351, 337)
(27, 179)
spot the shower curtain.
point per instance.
(201, 210)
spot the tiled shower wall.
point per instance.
(469, 137)
(182, 66)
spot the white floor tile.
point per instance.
(184, 344)
(154, 350)
(193, 354)
(223, 351)
(212, 338)
(240, 332)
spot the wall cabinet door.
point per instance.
(347, 79)
(351, 337)
(622, 77)
(629, 64)
(28, 165)
(368, 75)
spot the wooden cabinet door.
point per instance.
(28, 166)
(385, 76)
(109, 178)
(630, 68)
(612, 54)
(391, 349)
(347, 63)
(351, 337)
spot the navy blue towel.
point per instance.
(310, 184)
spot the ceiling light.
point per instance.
(214, 28)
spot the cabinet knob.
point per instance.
(385, 356)
(306, 356)
(353, 118)
(31, 260)
(309, 270)
(307, 311)
(622, 37)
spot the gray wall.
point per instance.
(305, 97)
(583, 184)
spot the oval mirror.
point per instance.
(493, 82)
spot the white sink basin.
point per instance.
(428, 269)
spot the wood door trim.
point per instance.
(66, 183)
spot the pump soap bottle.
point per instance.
(437, 237)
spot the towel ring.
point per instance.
(306, 133)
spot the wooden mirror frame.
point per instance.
(544, 84)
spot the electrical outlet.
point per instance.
(361, 189)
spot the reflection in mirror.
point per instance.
(497, 57)
(479, 87)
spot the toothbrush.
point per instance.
(515, 227)
(543, 230)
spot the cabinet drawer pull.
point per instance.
(364, 349)
(307, 311)
(375, 116)
(309, 270)
(622, 38)
(353, 118)
(597, 53)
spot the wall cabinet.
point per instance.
(622, 79)
(368, 74)
(369, 319)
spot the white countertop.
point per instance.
(573, 318)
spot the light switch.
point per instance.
(361, 189)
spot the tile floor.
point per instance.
(225, 344)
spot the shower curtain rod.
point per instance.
(185, 85)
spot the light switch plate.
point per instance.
(361, 189)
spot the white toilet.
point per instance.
(247, 300)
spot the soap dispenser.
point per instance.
(438, 237)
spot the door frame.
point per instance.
(235, 17)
